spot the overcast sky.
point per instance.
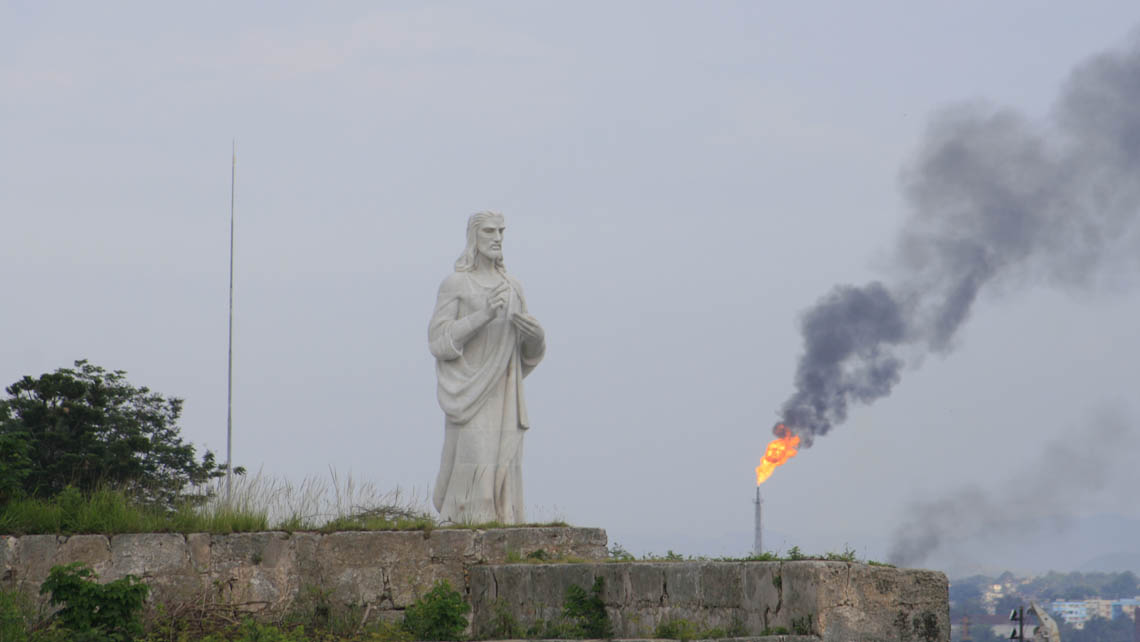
(680, 182)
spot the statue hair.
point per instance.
(466, 261)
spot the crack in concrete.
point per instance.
(779, 596)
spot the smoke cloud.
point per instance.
(992, 200)
(1063, 475)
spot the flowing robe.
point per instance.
(480, 390)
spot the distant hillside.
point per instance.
(1108, 543)
(1113, 562)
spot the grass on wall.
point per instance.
(255, 503)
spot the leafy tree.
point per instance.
(1007, 603)
(1099, 629)
(1122, 585)
(15, 465)
(85, 427)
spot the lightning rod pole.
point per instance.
(230, 357)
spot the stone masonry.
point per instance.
(265, 574)
(840, 601)
(381, 572)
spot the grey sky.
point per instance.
(680, 180)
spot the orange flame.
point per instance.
(779, 451)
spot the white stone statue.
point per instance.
(484, 343)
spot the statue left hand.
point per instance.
(528, 327)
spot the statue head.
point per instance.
(484, 236)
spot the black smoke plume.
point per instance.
(1037, 497)
(993, 201)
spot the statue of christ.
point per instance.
(484, 343)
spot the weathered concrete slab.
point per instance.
(827, 601)
(268, 573)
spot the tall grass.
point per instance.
(255, 502)
(318, 503)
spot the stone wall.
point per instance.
(837, 601)
(380, 573)
(268, 573)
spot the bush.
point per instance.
(503, 625)
(96, 612)
(802, 625)
(441, 614)
(14, 622)
(587, 611)
(251, 631)
(678, 629)
(87, 427)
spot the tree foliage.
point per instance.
(96, 612)
(86, 427)
(1099, 629)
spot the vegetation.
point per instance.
(441, 614)
(16, 616)
(114, 511)
(88, 428)
(682, 629)
(617, 553)
(503, 625)
(257, 503)
(967, 592)
(96, 612)
(802, 625)
(678, 629)
(967, 599)
(586, 611)
(1099, 629)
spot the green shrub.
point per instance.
(802, 625)
(441, 614)
(618, 553)
(251, 631)
(774, 630)
(766, 556)
(92, 611)
(503, 624)
(735, 630)
(678, 629)
(587, 611)
(14, 616)
(848, 555)
(682, 629)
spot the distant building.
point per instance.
(990, 598)
(1099, 608)
(1073, 613)
(1077, 612)
(1125, 608)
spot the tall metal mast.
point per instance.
(758, 544)
(230, 359)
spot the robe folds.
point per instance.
(480, 389)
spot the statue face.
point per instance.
(489, 237)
